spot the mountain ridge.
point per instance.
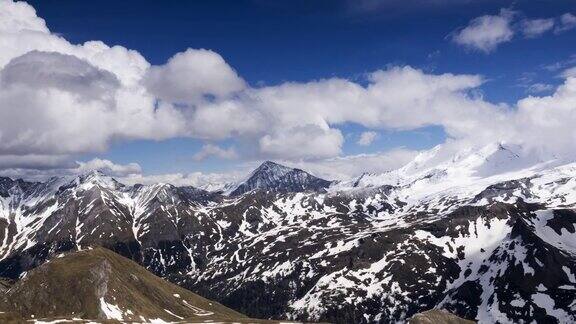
(340, 254)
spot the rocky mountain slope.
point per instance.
(272, 176)
(98, 284)
(487, 233)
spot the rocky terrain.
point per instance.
(488, 234)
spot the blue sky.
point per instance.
(269, 43)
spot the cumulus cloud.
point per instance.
(108, 167)
(209, 150)
(51, 70)
(366, 138)
(225, 119)
(67, 99)
(191, 76)
(546, 123)
(57, 103)
(59, 100)
(485, 33)
(309, 141)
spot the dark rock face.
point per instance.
(275, 177)
(503, 253)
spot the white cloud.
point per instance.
(66, 99)
(485, 33)
(192, 75)
(54, 103)
(532, 28)
(108, 167)
(209, 150)
(308, 141)
(366, 138)
(21, 31)
(59, 100)
(546, 123)
(567, 22)
(398, 98)
(51, 70)
(17, 16)
(226, 119)
(569, 73)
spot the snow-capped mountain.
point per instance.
(270, 176)
(487, 233)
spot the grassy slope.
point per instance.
(72, 287)
(437, 316)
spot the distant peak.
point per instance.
(272, 164)
(97, 177)
(270, 167)
(277, 177)
(92, 175)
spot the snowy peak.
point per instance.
(448, 166)
(96, 179)
(276, 177)
(269, 171)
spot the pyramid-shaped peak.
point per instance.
(269, 163)
(270, 166)
(272, 176)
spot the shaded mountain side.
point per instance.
(99, 284)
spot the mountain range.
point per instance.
(487, 233)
